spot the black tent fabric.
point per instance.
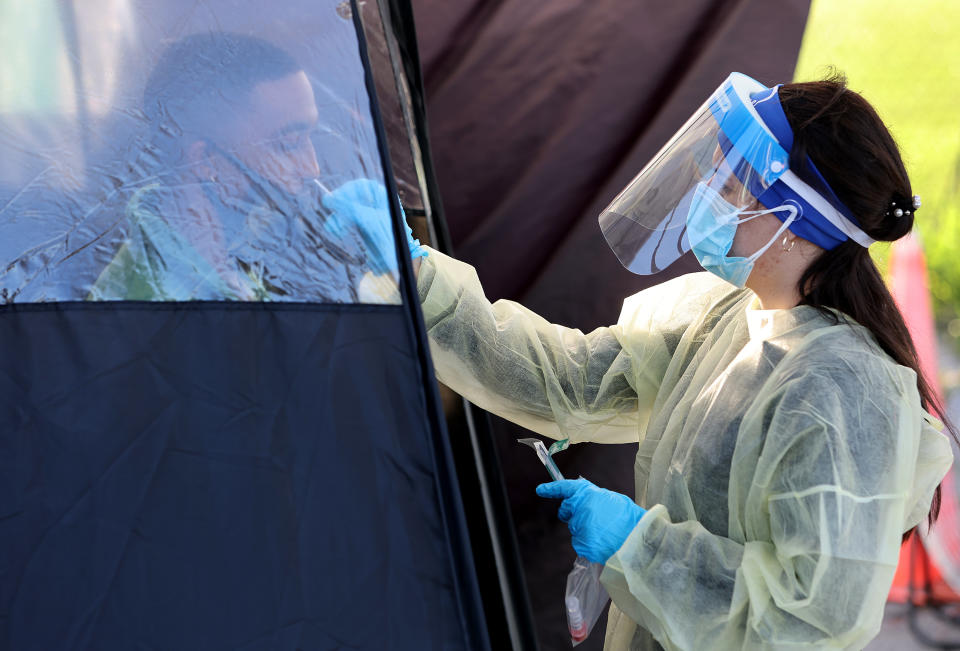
(220, 476)
(539, 113)
(210, 474)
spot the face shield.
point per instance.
(722, 168)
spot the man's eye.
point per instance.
(287, 145)
(291, 143)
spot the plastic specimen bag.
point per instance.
(585, 598)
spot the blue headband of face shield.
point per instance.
(823, 219)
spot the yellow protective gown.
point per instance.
(781, 455)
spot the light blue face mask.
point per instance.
(711, 225)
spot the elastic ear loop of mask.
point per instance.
(753, 214)
(794, 213)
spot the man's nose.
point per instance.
(307, 164)
(311, 165)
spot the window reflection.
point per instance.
(224, 195)
(237, 211)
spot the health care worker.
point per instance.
(784, 449)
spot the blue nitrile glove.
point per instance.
(599, 520)
(363, 202)
(413, 244)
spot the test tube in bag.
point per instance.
(586, 597)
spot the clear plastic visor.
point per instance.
(720, 147)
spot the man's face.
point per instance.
(270, 135)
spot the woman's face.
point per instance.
(753, 235)
(726, 183)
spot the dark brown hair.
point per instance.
(853, 150)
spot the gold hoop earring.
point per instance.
(792, 243)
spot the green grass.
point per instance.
(904, 57)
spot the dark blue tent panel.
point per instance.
(271, 487)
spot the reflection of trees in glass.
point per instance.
(36, 73)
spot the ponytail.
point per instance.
(847, 141)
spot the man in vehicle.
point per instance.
(234, 208)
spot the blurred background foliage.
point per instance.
(905, 59)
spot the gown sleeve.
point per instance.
(838, 464)
(553, 380)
